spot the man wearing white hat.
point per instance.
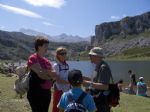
(102, 75)
(141, 87)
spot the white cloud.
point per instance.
(2, 27)
(20, 11)
(48, 3)
(48, 24)
(115, 17)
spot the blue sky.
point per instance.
(75, 17)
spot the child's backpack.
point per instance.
(75, 106)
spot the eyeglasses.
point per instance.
(63, 53)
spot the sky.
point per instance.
(73, 17)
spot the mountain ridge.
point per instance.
(57, 38)
(126, 26)
(17, 45)
(120, 36)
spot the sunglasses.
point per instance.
(63, 53)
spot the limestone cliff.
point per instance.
(126, 26)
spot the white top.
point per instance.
(62, 70)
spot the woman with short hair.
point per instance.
(41, 74)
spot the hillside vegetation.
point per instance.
(16, 45)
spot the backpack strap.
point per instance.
(69, 96)
(81, 97)
(112, 80)
(66, 67)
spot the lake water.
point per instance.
(119, 68)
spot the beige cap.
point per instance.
(96, 51)
(141, 78)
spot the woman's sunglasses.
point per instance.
(64, 53)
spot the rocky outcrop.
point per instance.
(116, 47)
(126, 26)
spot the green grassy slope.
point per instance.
(8, 100)
(10, 103)
(133, 103)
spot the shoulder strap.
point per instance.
(81, 97)
(26, 69)
(26, 73)
(59, 67)
(112, 79)
(66, 67)
(69, 96)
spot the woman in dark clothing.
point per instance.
(41, 75)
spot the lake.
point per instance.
(119, 68)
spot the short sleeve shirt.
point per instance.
(103, 73)
(44, 63)
(88, 101)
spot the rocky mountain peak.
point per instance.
(126, 26)
(58, 38)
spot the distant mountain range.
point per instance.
(17, 45)
(58, 38)
(132, 41)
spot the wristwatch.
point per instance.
(90, 85)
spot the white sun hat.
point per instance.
(141, 78)
(97, 51)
